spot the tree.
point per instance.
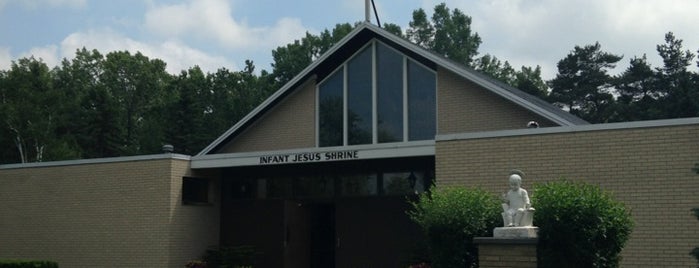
(291, 59)
(452, 36)
(583, 85)
(448, 34)
(30, 111)
(394, 29)
(529, 80)
(186, 115)
(137, 84)
(91, 109)
(492, 66)
(638, 94)
(677, 84)
(420, 30)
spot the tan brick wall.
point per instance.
(193, 228)
(466, 107)
(649, 169)
(290, 124)
(125, 213)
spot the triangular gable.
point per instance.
(363, 34)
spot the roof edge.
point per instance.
(569, 129)
(105, 160)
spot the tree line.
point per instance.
(118, 104)
(121, 104)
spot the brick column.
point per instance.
(506, 252)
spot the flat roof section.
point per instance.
(96, 161)
(564, 129)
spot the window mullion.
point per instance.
(406, 127)
(345, 106)
(374, 112)
(317, 105)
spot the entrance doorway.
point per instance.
(338, 214)
(310, 238)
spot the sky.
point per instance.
(215, 34)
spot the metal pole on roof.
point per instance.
(367, 12)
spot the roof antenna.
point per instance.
(378, 22)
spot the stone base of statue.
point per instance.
(516, 232)
(506, 252)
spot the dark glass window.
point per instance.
(330, 110)
(359, 98)
(275, 188)
(389, 73)
(399, 183)
(313, 186)
(421, 103)
(358, 185)
(376, 85)
(243, 188)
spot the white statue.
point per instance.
(518, 211)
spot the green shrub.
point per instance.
(230, 257)
(579, 225)
(450, 218)
(27, 264)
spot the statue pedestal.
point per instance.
(516, 232)
(506, 252)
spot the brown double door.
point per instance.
(309, 235)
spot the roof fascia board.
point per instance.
(372, 151)
(106, 160)
(569, 129)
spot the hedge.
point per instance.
(27, 264)
(580, 225)
(450, 218)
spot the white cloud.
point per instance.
(5, 57)
(178, 56)
(48, 54)
(543, 32)
(283, 32)
(212, 20)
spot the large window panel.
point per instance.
(359, 98)
(421, 102)
(330, 112)
(389, 73)
(377, 96)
